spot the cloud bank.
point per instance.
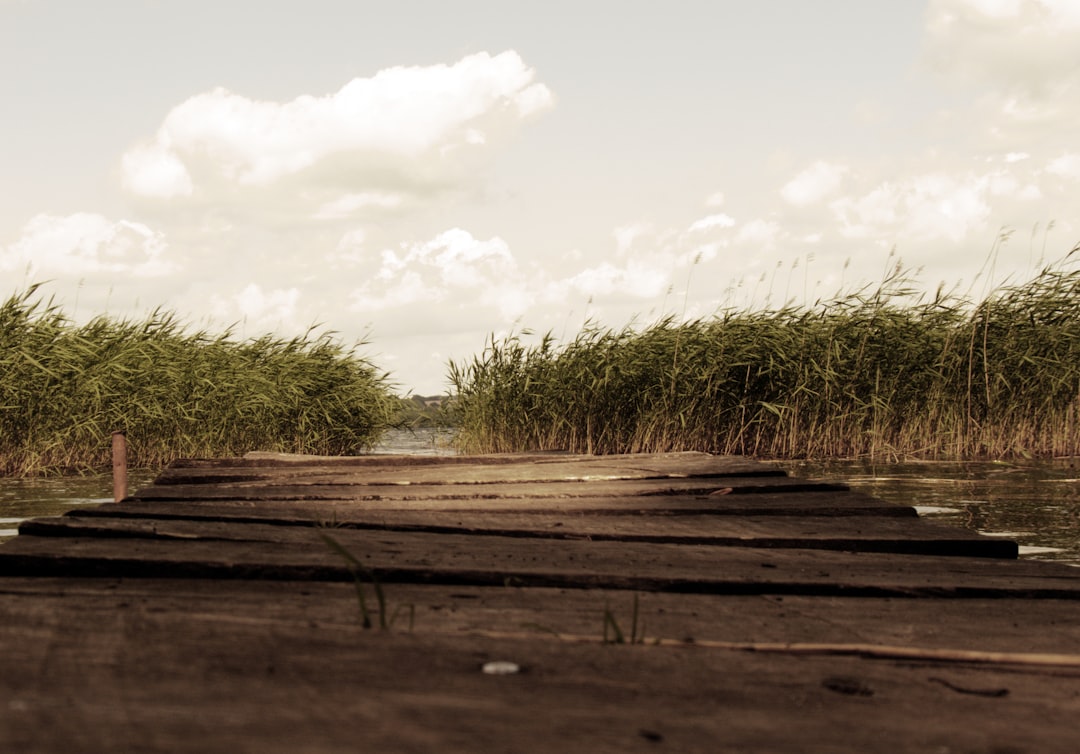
(402, 126)
(85, 245)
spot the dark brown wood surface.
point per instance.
(215, 611)
(659, 525)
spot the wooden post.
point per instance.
(119, 466)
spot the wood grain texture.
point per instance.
(209, 613)
(664, 525)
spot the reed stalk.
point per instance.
(884, 371)
(64, 389)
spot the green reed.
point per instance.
(883, 371)
(65, 388)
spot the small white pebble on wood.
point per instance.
(501, 667)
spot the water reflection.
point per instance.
(419, 442)
(1035, 503)
(21, 499)
(51, 496)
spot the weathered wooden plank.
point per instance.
(337, 489)
(195, 680)
(270, 459)
(1021, 626)
(830, 503)
(856, 534)
(465, 469)
(293, 460)
(257, 551)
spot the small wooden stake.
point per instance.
(119, 466)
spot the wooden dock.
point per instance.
(680, 603)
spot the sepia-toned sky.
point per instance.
(422, 174)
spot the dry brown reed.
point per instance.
(64, 389)
(883, 372)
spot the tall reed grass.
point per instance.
(879, 372)
(64, 389)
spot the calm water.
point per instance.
(32, 498)
(1036, 504)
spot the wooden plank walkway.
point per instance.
(217, 611)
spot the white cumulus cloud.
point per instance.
(719, 220)
(1066, 166)
(259, 309)
(399, 115)
(818, 182)
(1029, 49)
(453, 267)
(932, 206)
(86, 243)
(152, 170)
(643, 277)
(627, 235)
(759, 232)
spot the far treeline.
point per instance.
(882, 372)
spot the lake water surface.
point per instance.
(1035, 503)
(51, 496)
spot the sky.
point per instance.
(421, 175)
